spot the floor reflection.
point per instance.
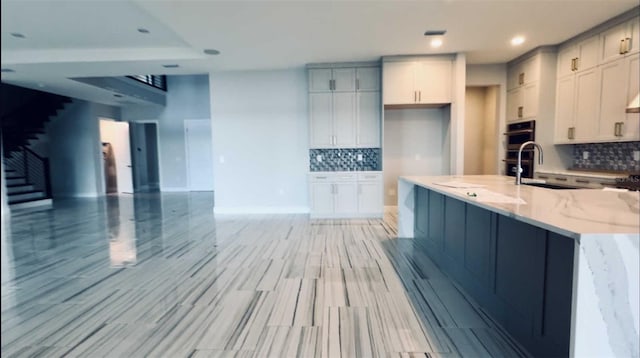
(121, 222)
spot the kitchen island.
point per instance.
(558, 269)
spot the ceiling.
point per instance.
(73, 38)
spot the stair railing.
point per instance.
(34, 168)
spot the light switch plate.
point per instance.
(359, 157)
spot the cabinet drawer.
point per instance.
(321, 177)
(340, 177)
(369, 176)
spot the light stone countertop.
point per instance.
(574, 212)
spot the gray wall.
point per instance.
(75, 149)
(416, 142)
(187, 98)
(259, 124)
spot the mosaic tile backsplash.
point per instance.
(344, 159)
(607, 156)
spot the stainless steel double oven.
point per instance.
(516, 134)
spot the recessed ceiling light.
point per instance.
(435, 32)
(211, 51)
(173, 65)
(437, 42)
(6, 70)
(18, 35)
(518, 40)
(142, 30)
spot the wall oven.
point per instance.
(516, 134)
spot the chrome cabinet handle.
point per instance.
(582, 181)
(521, 78)
(622, 45)
(520, 110)
(561, 179)
(419, 96)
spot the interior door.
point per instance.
(199, 154)
(117, 133)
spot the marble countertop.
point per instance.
(574, 213)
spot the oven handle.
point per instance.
(519, 131)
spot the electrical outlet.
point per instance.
(359, 157)
(319, 158)
(636, 155)
(585, 155)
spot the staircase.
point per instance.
(24, 116)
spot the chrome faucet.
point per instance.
(519, 167)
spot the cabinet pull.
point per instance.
(615, 128)
(573, 64)
(357, 84)
(561, 179)
(521, 78)
(582, 181)
(520, 110)
(543, 177)
(618, 129)
(419, 96)
(623, 43)
(577, 63)
(571, 132)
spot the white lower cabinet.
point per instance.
(345, 194)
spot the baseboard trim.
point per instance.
(247, 210)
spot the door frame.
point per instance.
(186, 150)
(100, 141)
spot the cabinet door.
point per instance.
(344, 79)
(368, 115)
(513, 80)
(530, 70)
(631, 127)
(368, 79)
(588, 53)
(319, 79)
(398, 83)
(478, 249)
(587, 104)
(346, 198)
(613, 99)
(565, 60)
(320, 120)
(515, 104)
(634, 36)
(454, 229)
(322, 198)
(344, 119)
(433, 81)
(370, 197)
(530, 100)
(612, 43)
(565, 100)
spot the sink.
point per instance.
(550, 186)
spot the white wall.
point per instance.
(74, 152)
(490, 159)
(187, 98)
(259, 124)
(415, 143)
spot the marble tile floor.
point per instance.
(158, 275)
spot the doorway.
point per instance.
(146, 161)
(197, 137)
(481, 135)
(116, 135)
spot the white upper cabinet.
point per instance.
(423, 81)
(523, 79)
(596, 79)
(368, 79)
(619, 40)
(578, 57)
(398, 80)
(344, 107)
(332, 79)
(368, 119)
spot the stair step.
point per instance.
(27, 196)
(14, 189)
(15, 181)
(32, 204)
